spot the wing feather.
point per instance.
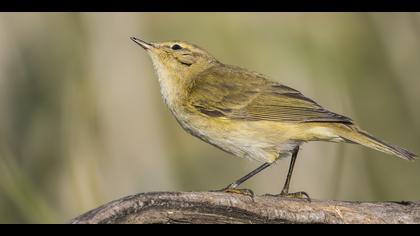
(235, 93)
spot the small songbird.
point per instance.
(244, 113)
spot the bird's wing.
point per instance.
(233, 93)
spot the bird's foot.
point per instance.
(299, 195)
(246, 192)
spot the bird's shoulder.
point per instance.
(229, 75)
(226, 85)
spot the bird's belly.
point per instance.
(260, 141)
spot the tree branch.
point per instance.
(212, 207)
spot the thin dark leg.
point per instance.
(290, 172)
(285, 191)
(248, 176)
(232, 188)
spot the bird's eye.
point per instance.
(176, 47)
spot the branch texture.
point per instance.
(224, 208)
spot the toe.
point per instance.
(246, 192)
(298, 195)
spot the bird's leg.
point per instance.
(285, 191)
(232, 188)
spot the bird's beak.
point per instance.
(142, 43)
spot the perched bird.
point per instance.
(244, 113)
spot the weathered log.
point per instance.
(225, 208)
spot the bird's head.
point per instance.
(177, 59)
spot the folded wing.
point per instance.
(233, 93)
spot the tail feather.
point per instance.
(363, 138)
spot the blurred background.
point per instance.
(82, 121)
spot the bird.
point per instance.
(247, 114)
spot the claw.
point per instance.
(246, 192)
(299, 195)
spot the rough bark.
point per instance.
(215, 207)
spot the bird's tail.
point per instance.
(356, 135)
